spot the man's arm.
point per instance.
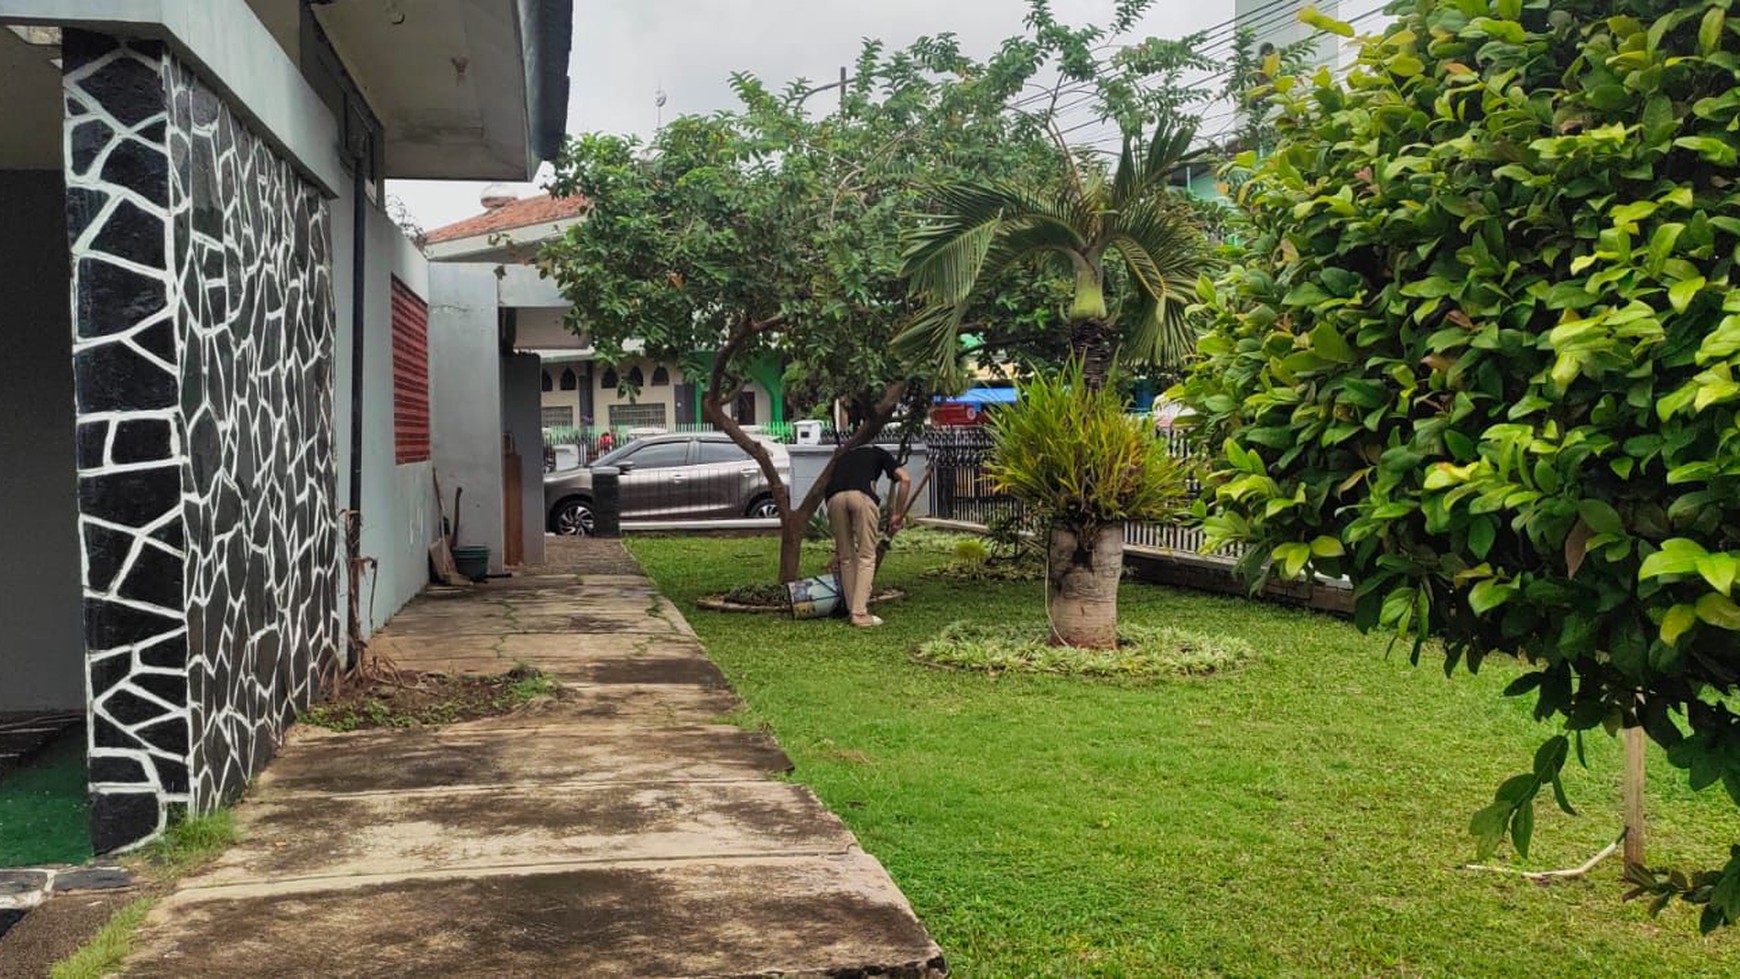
(902, 490)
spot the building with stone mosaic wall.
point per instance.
(201, 299)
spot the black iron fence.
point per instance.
(961, 490)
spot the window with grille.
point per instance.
(558, 416)
(637, 416)
(410, 375)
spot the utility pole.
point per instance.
(841, 85)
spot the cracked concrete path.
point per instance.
(618, 831)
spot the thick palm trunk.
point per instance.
(1094, 343)
(1081, 591)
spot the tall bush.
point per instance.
(1481, 358)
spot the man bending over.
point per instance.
(854, 512)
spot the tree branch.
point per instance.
(1548, 876)
(865, 432)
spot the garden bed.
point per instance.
(432, 699)
(1144, 652)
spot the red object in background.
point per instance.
(410, 375)
(956, 414)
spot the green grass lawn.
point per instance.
(1305, 815)
(42, 808)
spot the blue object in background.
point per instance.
(984, 396)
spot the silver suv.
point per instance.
(703, 476)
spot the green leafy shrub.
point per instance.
(1015, 535)
(971, 551)
(1142, 652)
(1481, 357)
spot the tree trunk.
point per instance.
(1094, 343)
(794, 516)
(1081, 589)
(792, 527)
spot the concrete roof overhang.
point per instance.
(464, 89)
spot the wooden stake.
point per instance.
(1632, 790)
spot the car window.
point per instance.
(661, 455)
(716, 453)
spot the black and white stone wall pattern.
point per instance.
(257, 320)
(203, 342)
(131, 441)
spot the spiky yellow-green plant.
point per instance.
(1077, 460)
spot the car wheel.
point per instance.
(572, 518)
(763, 509)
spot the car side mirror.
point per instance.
(625, 466)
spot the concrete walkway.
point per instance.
(621, 831)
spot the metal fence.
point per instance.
(961, 490)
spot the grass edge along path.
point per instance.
(184, 847)
(109, 947)
(1303, 815)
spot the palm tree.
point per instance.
(982, 229)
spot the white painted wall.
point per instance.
(400, 519)
(465, 395)
(41, 623)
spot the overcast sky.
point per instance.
(625, 51)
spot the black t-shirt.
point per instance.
(860, 469)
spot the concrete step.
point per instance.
(299, 844)
(815, 916)
(446, 759)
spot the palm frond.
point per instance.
(1162, 333)
(1024, 239)
(948, 255)
(1165, 255)
(934, 337)
(1136, 179)
(979, 230)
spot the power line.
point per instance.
(1271, 14)
(1113, 144)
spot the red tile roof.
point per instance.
(542, 209)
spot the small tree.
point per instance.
(1080, 463)
(1481, 358)
(770, 231)
(1089, 218)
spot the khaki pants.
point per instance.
(856, 520)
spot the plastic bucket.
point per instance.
(471, 562)
(814, 598)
